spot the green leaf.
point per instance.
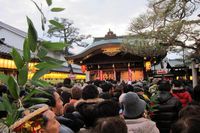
(6, 104)
(32, 35)
(41, 83)
(40, 73)
(44, 83)
(57, 9)
(2, 106)
(13, 87)
(4, 78)
(42, 52)
(49, 2)
(54, 46)
(47, 65)
(52, 29)
(17, 58)
(52, 60)
(12, 118)
(26, 51)
(37, 100)
(23, 75)
(57, 24)
(34, 92)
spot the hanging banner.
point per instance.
(129, 74)
(100, 74)
(114, 74)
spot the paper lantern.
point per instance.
(83, 68)
(148, 66)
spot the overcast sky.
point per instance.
(92, 17)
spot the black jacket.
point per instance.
(164, 110)
(71, 122)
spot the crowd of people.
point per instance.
(113, 107)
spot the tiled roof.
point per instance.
(13, 29)
(66, 69)
(6, 49)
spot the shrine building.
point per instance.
(104, 59)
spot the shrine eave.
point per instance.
(95, 46)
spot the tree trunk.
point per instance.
(67, 53)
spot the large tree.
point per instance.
(171, 23)
(64, 29)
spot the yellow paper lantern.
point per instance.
(148, 65)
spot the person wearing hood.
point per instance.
(164, 107)
(133, 112)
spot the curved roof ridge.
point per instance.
(102, 42)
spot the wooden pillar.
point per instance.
(194, 74)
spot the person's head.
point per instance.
(119, 88)
(134, 107)
(187, 125)
(65, 96)
(58, 107)
(88, 113)
(164, 86)
(67, 82)
(106, 87)
(59, 90)
(108, 108)
(59, 85)
(52, 125)
(177, 86)
(110, 125)
(196, 93)
(155, 80)
(138, 90)
(177, 83)
(128, 88)
(190, 110)
(41, 120)
(76, 93)
(97, 83)
(54, 101)
(90, 92)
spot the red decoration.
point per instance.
(83, 68)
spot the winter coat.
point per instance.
(87, 110)
(72, 123)
(183, 96)
(141, 125)
(164, 108)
